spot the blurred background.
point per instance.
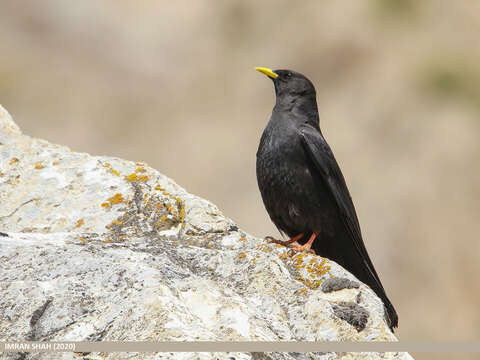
(172, 84)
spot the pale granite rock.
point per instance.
(101, 248)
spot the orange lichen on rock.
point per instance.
(134, 177)
(108, 166)
(310, 272)
(116, 199)
(302, 291)
(181, 209)
(13, 161)
(80, 222)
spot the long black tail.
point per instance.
(340, 250)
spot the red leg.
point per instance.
(307, 246)
(284, 243)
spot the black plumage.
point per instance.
(302, 186)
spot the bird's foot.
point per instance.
(307, 247)
(293, 244)
(302, 248)
(284, 242)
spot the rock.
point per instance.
(352, 313)
(335, 284)
(100, 248)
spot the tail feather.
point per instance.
(340, 251)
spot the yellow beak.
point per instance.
(267, 71)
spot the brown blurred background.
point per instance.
(172, 84)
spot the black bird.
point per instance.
(303, 188)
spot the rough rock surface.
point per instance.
(100, 248)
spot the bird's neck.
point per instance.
(302, 106)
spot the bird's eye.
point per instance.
(289, 75)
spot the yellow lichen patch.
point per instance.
(302, 291)
(82, 239)
(242, 255)
(159, 206)
(56, 162)
(311, 284)
(310, 272)
(242, 239)
(171, 209)
(181, 209)
(80, 222)
(117, 222)
(284, 255)
(109, 226)
(39, 165)
(321, 268)
(158, 187)
(175, 243)
(13, 161)
(209, 245)
(164, 218)
(132, 177)
(106, 241)
(116, 199)
(122, 237)
(267, 249)
(105, 205)
(157, 224)
(108, 166)
(140, 169)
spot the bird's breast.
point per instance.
(291, 189)
(282, 167)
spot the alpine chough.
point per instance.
(303, 188)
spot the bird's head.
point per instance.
(289, 83)
(293, 90)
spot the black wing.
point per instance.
(321, 155)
